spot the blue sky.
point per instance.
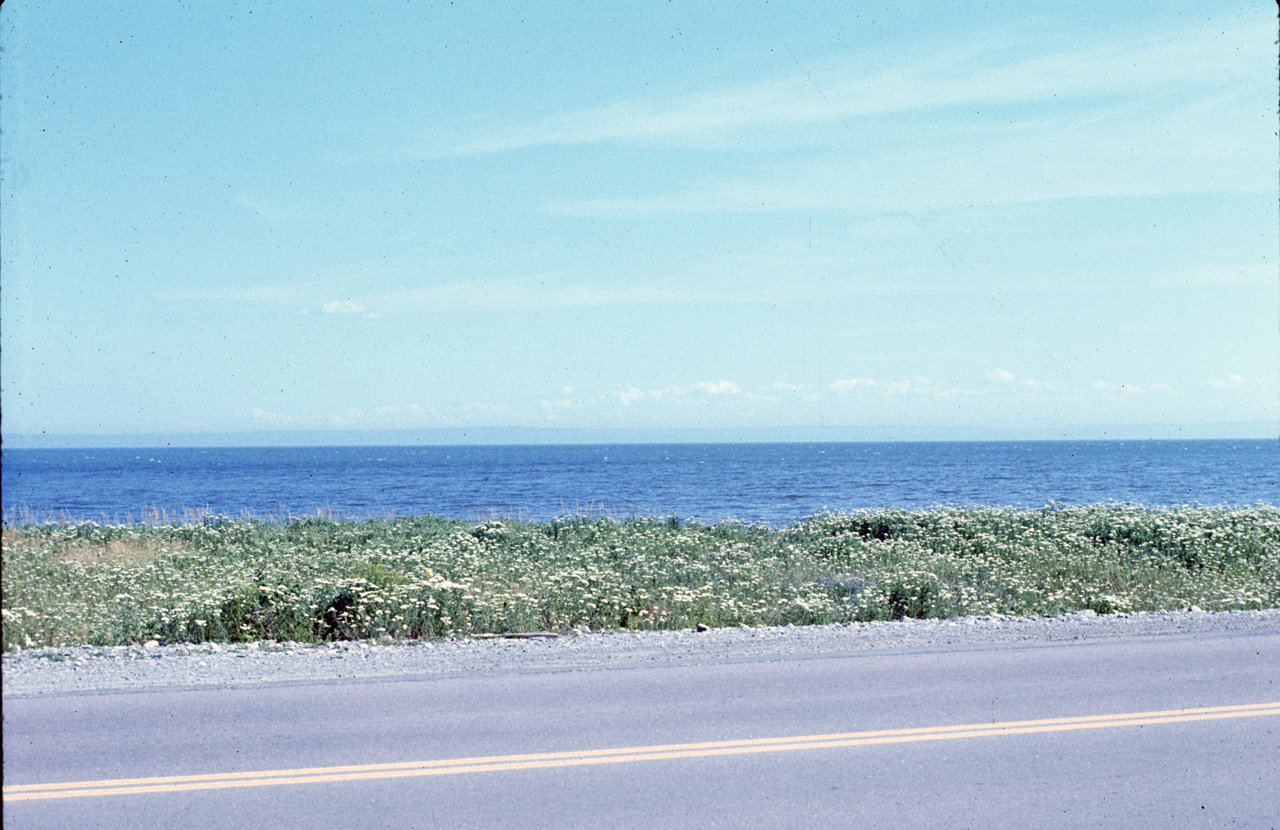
(229, 217)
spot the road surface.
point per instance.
(1174, 731)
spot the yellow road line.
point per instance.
(497, 763)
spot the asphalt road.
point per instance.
(993, 736)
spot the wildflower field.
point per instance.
(314, 579)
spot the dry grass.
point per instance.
(134, 551)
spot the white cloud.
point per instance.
(1239, 382)
(783, 386)
(270, 417)
(1004, 377)
(668, 392)
(912, 386)
(566, 391)
(401, 414)
(343, 307)
(631, 394)
(351, 416)
(720, 387)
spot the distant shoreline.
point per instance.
(539, 436)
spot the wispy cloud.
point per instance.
(380, 416)
(1169, 114)
(343, 307)
(553, 291)
(718, 280)
(916, 385)
(351, 417)
(1131, 388)
(673, 391)
(1130, 149)
(349, 307)
(267, 207)
(1001, 383)
(392, 411)
(1036, 385)
(1237, 274)
(994, 72)
(288, 293)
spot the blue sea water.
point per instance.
(777, 483)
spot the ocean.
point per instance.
(775, 483)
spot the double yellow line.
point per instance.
(500, 763)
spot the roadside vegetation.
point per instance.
(220, 579)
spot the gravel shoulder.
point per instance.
(92, 669)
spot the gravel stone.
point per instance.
(92, 669)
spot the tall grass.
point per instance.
(311, 579)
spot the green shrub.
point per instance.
(422, 576)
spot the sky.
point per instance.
(320, 216)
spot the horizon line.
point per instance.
(531, 435)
